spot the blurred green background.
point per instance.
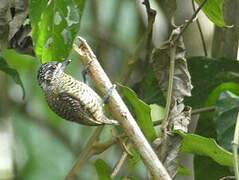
(43, 145)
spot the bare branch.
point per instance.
(120, 162)
(121, 113)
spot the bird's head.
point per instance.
(50, 73)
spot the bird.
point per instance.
(69, 98)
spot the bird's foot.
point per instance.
(108, 94)
(84, 71)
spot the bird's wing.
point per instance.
(80, 112)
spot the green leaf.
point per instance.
(157, 112)
(136, 157)
(17, 60)
(207, 74)
(183, 171)
(13, 73)
(225, 119)
(213, 10)
(142, 112)
(208, 128)
(150, 91)
(55, 25)
(214, 95)
(199, 145)
(102, 169)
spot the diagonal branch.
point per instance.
(122, 114)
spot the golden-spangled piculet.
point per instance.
(69, 98)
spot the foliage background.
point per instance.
(45, 147)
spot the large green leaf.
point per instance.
(226, 114)
(208, 128)
(210, 77)
(206, 168)
(13, 73)
(17, 60)
(214, 95)
(199, 145)
(150, 92)
(207, 74)
(213, 10)
(102, 169)
(54, 27)
(142, 112)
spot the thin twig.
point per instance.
(228, 178)
(85, 154)
(100, 147)
(190, 20)
(170, 86)
(196, 111)
(203, 110)
(120, 162)
(235, 147)
(121, 113)
(200, 31)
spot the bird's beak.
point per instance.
(64, 64)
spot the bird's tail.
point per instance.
(113, 122)
(110, 121)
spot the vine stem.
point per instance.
(235, 147)
(120, 111)
(170, 86)
(196, 111)
(203, 110)
(200, 32)
(190, 20)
